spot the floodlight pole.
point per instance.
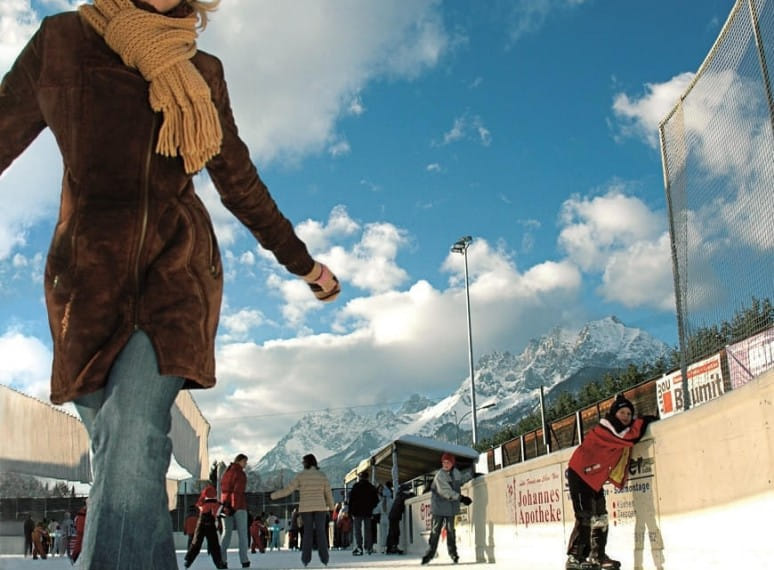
(461, 246)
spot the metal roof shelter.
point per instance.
(410, 456)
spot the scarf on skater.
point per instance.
(160, 48)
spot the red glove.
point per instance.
(323, 282)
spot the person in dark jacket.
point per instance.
(603, 456)
(133, 279)
(363, 498)
(206, 527)
(29, 527)
(445, 499)
(395, 517)
(189, 524)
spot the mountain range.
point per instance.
(564, 359)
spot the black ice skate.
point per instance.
(604, 563)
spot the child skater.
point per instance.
(603, 456)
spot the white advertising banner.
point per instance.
(751, 357)
(705, 381)
(535, 497)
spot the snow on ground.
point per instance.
(279, 560)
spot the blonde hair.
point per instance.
(202, 10)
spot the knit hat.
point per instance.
(620, 402)
(448, 457)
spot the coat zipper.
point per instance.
(144, 222)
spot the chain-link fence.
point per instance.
(717, 149)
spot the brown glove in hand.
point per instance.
(323, 282)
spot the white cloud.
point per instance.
(18, 22)
(339, 148)
(25, 364)
(238, 325)
(640, 117)
(467, 127)
(379, 352)
(356, 106)
(297, 71)
(433, 167)
(621, 238)
(318, 237)
(718, 156)
(456, 132)
(593, 228)
(528, 16)
(641, 275)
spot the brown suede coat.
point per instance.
(133, 247)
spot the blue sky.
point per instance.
(386, 130)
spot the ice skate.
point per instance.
(574, 563)
(604, 563)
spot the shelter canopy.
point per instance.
(414, 456)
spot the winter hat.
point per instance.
(447, 457)
(620, 402)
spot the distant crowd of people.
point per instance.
(46, 538)
(316, 524)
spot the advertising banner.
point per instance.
(633, 512)
(705, 381)
(535, 497)
(750, 357)
(669, 392)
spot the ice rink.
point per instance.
(283, 559)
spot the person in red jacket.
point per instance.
(257, 533)
(603, 456)
(209, 510)
(79, 522)
(232, 495)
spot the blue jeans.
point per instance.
(315, 528)
(127, 522)
(238, 520)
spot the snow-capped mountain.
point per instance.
(564, 358)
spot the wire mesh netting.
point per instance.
(718, 157)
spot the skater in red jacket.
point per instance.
(206, 527)
(603, 456)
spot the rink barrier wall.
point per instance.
(699, 496)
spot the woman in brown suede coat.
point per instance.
(133, 280)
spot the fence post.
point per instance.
(546, 434)
(522, 447)
(579, 425)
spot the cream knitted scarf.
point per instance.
(160, 48)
